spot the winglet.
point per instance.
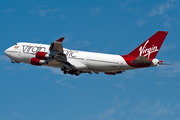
(60, 39)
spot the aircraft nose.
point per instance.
(7, 52)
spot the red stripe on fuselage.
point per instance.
(129, 60)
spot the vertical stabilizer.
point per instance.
(150, 47)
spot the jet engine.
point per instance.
(35, 61)
(42, 55)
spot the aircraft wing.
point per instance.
(57, 45)
(56, 50)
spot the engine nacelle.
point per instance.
(42, 55)
(35, 61)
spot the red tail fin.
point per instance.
(151, 46)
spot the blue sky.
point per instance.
(109, 26)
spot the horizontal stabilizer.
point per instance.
(141, 60)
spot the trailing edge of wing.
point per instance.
(67, 65)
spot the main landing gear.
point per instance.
(72, 72)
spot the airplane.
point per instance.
(75, 62)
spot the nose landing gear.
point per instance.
(14, 61)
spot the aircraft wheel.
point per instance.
(64, 72)
(12, 62)
(76, 74)
(71, 72)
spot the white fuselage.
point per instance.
(77, 62)
(86, 61)
(89, 61)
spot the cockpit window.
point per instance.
(16, 44)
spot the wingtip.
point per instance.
(60, 39)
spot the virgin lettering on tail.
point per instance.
(150, 47)
(147, 51)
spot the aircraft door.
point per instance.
(87, 61)
(19, 51)
(121, 65)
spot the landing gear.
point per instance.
(14, 61)
(64, 71)
(76, 74)
(72, 72)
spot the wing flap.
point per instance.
(67, 65)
